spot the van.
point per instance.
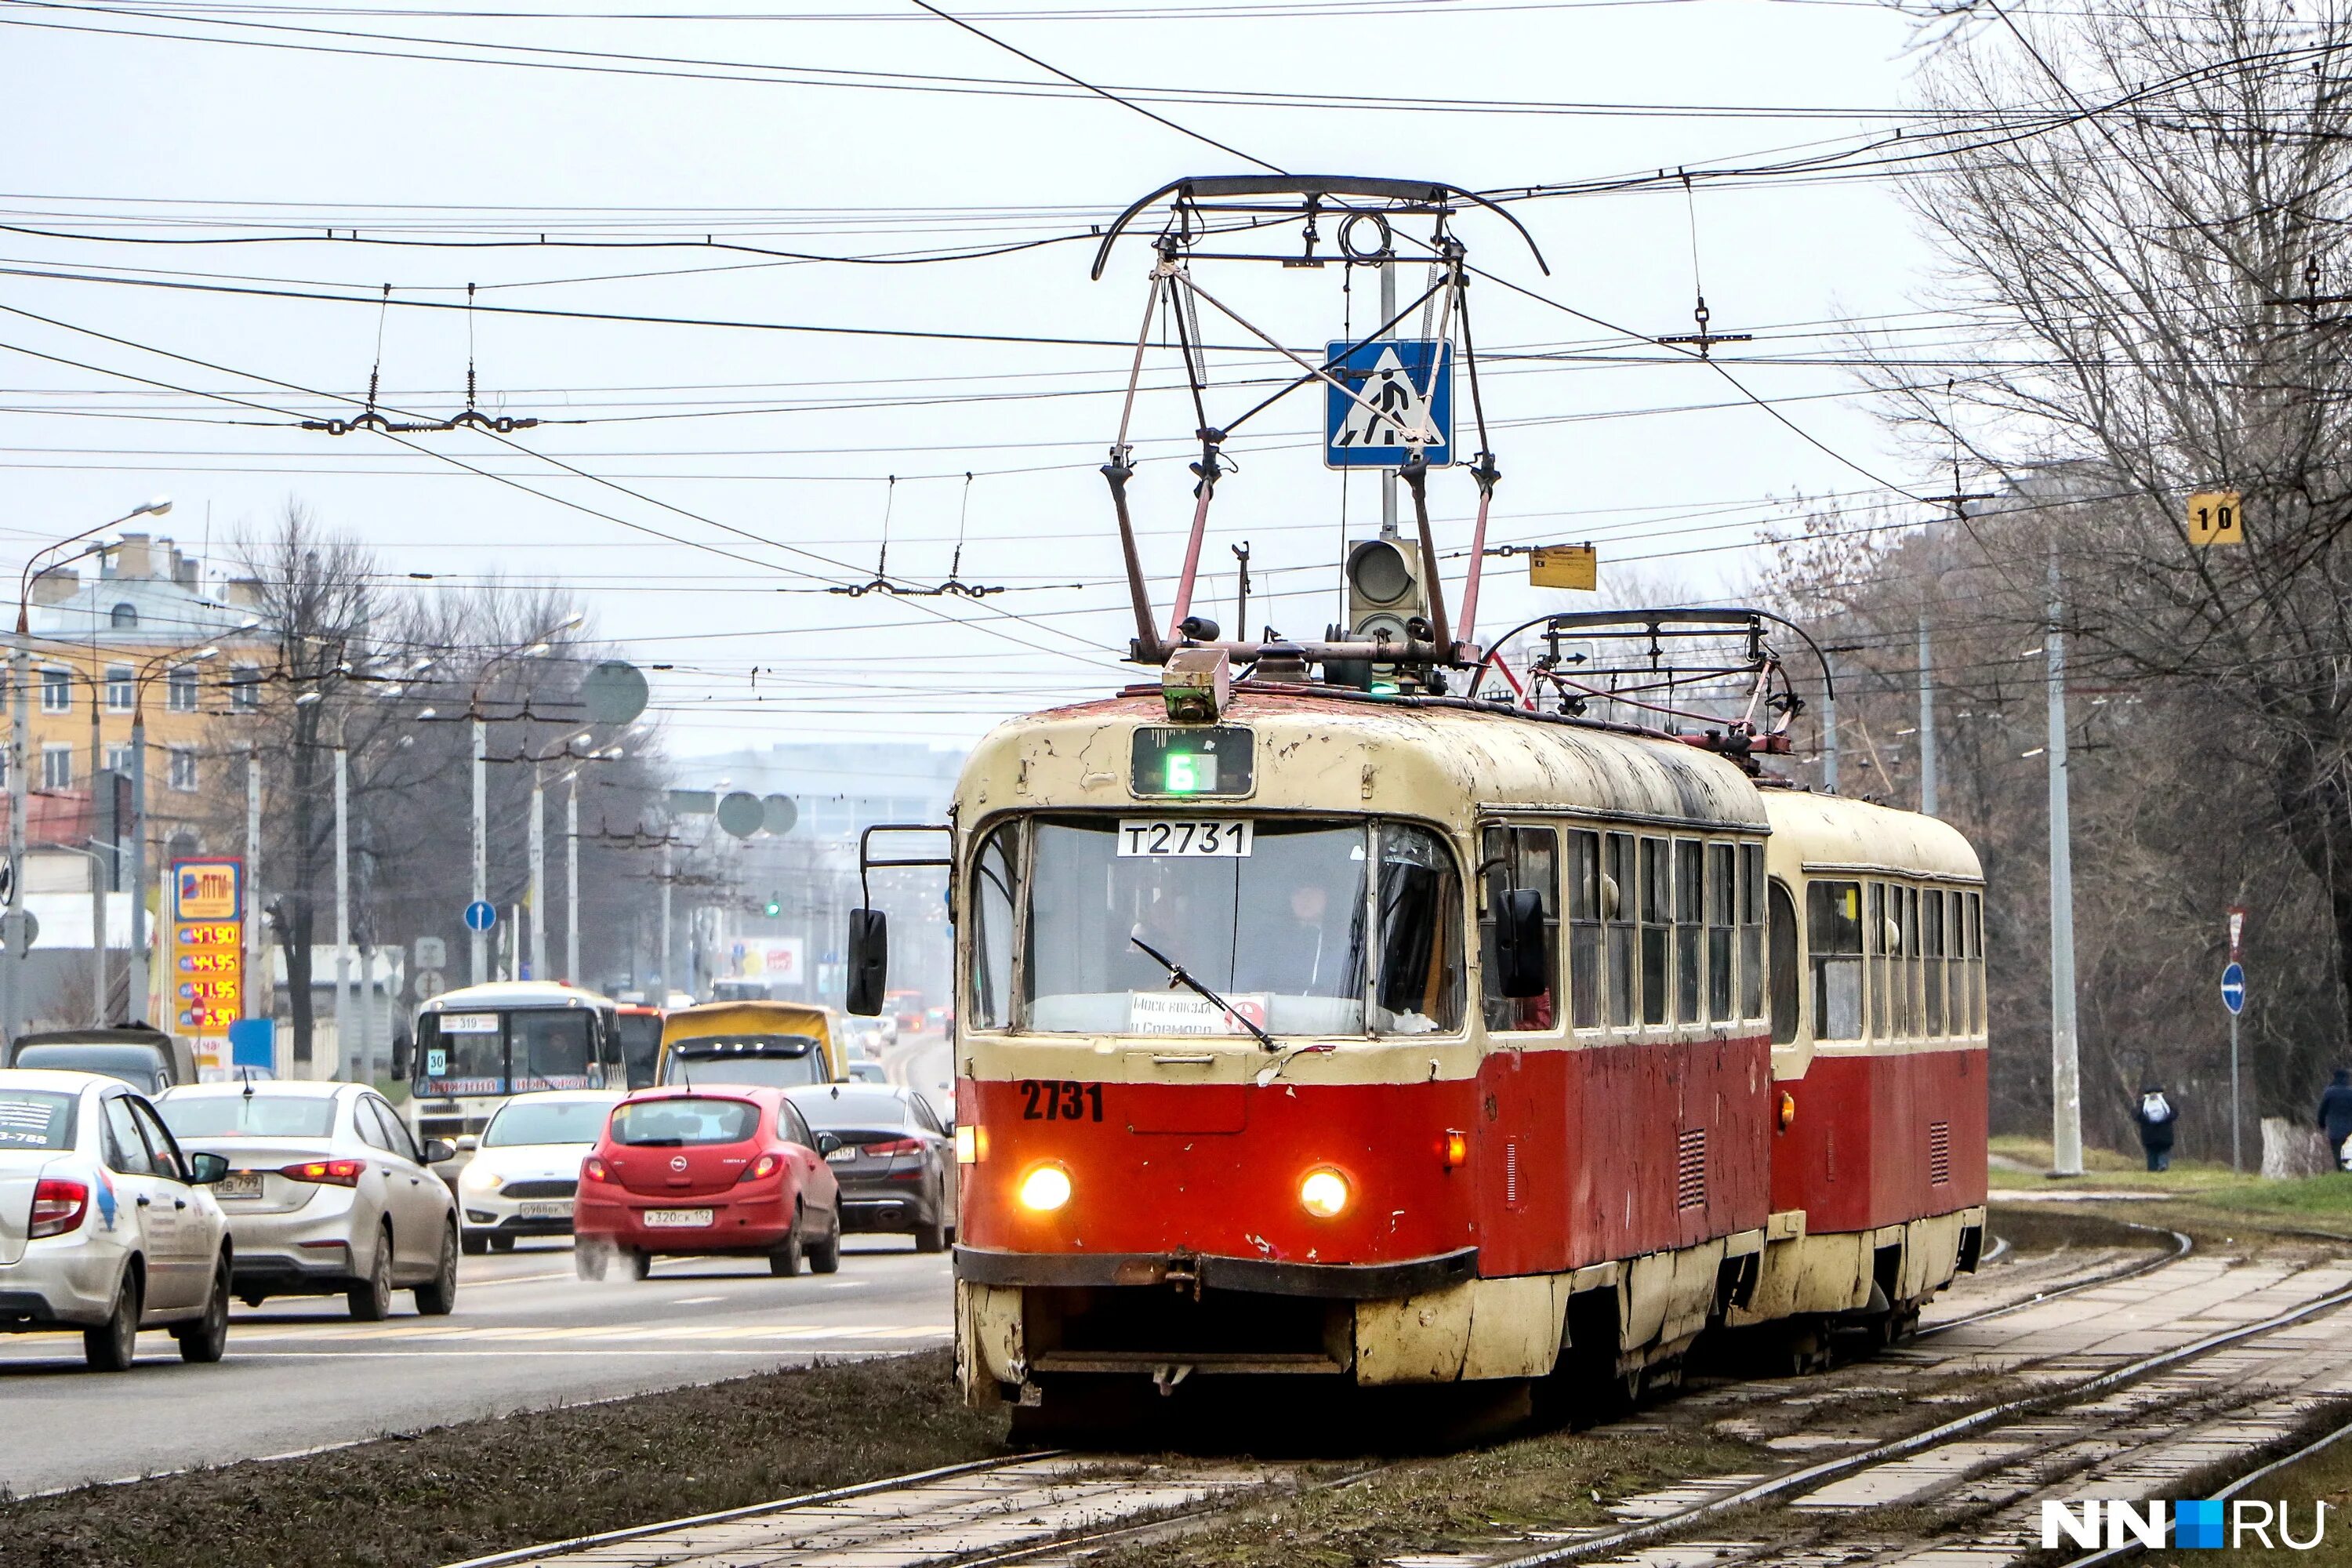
(149, 1060)
(780, 1045)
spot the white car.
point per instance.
(327, 1192)
(106, 1224)
(526, 1165)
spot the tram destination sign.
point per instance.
(1192, 761)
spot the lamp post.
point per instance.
(19, 787)
(538, 645)
(136, 999)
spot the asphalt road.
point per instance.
(300, 1374)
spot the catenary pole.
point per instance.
(98, 855)
(538, 840)
(666, 983)
(1927, 780)
(2065, 1060)
(344, 1019)
(571, 883)
(259, 987)
(20, 673)
(480, 941)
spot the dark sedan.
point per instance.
(896, 1161)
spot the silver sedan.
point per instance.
(327, 1192)
(106, 1224)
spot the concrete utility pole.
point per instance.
(667, 987)
(2065, 1060)
(1388, 476)
(537, 841)
(1927, 802)
(260, 988)
(571, 883)
(344, 1045)
(1829, 724)
(20, 673)
(98, 855)
(480, 969)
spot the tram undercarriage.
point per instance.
(1021, 1343)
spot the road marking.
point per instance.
(696, 1300)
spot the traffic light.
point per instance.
(775, 905)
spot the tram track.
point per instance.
(1047, 1508)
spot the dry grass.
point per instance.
(480, 1486)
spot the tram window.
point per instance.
(1656, 912)
(1833, 922)
(1786, 974)
(996, 873)
(551, 1049)
(1513, 860)
(1690, 902)
(1977, 1024)
(1619, 892)
(1751, 932)
(1931, 949)
(1913, 965)
(1584, 928)
(1421, 977)
(1722, 885)
(1874, 945)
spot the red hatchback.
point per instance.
(684, 1171)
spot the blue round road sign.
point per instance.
(481, 915)
(2233, 988)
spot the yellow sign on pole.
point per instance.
(2216, 517)
(1564, 566)
(206, 973)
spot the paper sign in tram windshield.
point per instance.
(1182, 1012)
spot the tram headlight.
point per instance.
(1046, 1189)
(1323, 1193)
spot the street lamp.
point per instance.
(136, 997)
(19, 787)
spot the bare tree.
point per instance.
(2157, 283)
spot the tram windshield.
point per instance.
(1277, 917)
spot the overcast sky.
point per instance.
(769, 453)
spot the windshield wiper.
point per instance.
(1176, 976)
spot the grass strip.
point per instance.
(479, 1486)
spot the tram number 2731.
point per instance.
(1046, 1100)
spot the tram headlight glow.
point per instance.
(1046, 1189)
(1323, 1193)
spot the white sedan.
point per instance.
(526, 1165)
(328, 1193)
(106, 1226)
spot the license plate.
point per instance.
(842, 1157)
(551, 1209)
(1185, 837)
(239, 1184)
(677, 1220)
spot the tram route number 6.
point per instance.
(1184, 837)
(2217, 517)
(1048, 1099)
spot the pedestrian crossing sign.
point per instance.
(1396, 392)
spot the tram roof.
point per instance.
(1320, 748)
(1831, 832)
(515, 993)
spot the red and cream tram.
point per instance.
(1529, 1035)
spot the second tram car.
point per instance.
(1500, 1041)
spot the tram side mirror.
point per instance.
(1520, 944)
(399, 1059)
(869, 961)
